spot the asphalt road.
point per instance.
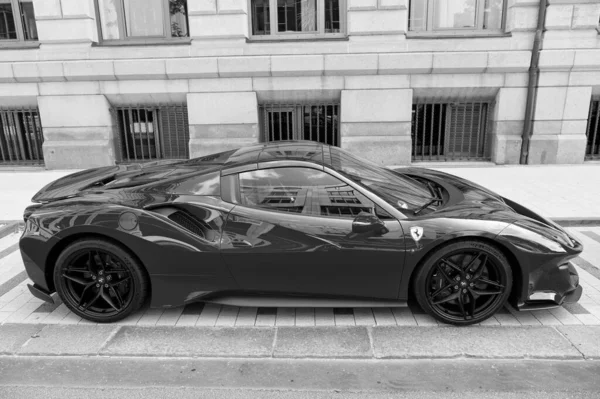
(116, 377)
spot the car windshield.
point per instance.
(402, 192)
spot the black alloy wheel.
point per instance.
(464, 283)
(100, 281)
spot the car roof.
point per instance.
(308, 151)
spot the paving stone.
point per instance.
(13, 336)
(404, 317)
(305, 317)
(191, 341)
(324, 317)
(69, 340)
(479, 342)
(384, 317)
(323, 342)
(364, 317)
(246, 317)
(585, 339)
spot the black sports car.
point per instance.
(290, 224)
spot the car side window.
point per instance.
(302, 190)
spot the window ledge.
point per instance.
(148, 42)
(282, 39)
(457, 35)
(19, 45)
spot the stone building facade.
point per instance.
(393, 80)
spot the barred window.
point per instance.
(21, 136)
(592, 149)
(152, 132)
(315, 122)
(450, 131)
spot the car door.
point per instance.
(292, 232)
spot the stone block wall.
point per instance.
(375, 72)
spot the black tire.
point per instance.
(100, 281)
(463, 283)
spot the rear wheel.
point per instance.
(464, 282)
(100, 281)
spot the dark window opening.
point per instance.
(592, 148)
(17, 20)
(153, 132)
(449, 131)
(21, 137)
(314, 122)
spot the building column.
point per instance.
(78, 131)
(376, 124)
(507, 125)
(221, 121)
(559, 127)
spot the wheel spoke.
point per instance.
(98, 261)
(77, 280)
(111, 271)
(472, 304)
(117, 296)
(115, 283)
(461, 305)
(448, 298)
(93, 301)
(480, 292)
(441, 270)
(438, 292)
(490, 282)
(108, 300)
(83, 293)
(472, 262)
(76, 270)
(477, 272)
(452, 265)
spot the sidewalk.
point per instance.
(556, 191)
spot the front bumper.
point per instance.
(560, 286)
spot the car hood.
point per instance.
(469, 200)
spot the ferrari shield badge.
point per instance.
(417, 233)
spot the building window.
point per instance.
(21, 137)
(302, 190)
(450, 131)
(456, 15)
(17, 21)
(315, 122)
(152, 132)
(592, 149)
(143, 19)
(296, 18)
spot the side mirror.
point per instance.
(368, 223)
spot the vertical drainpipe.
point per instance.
(532, 87)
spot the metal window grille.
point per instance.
(153, 132)
(316, 122)
(592, 149)
(21, 136)
(450, 131)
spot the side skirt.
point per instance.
(297, 302)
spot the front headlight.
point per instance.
(533, 238)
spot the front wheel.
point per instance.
(463, 283)
(100, 281)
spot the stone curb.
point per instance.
(377, 343)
